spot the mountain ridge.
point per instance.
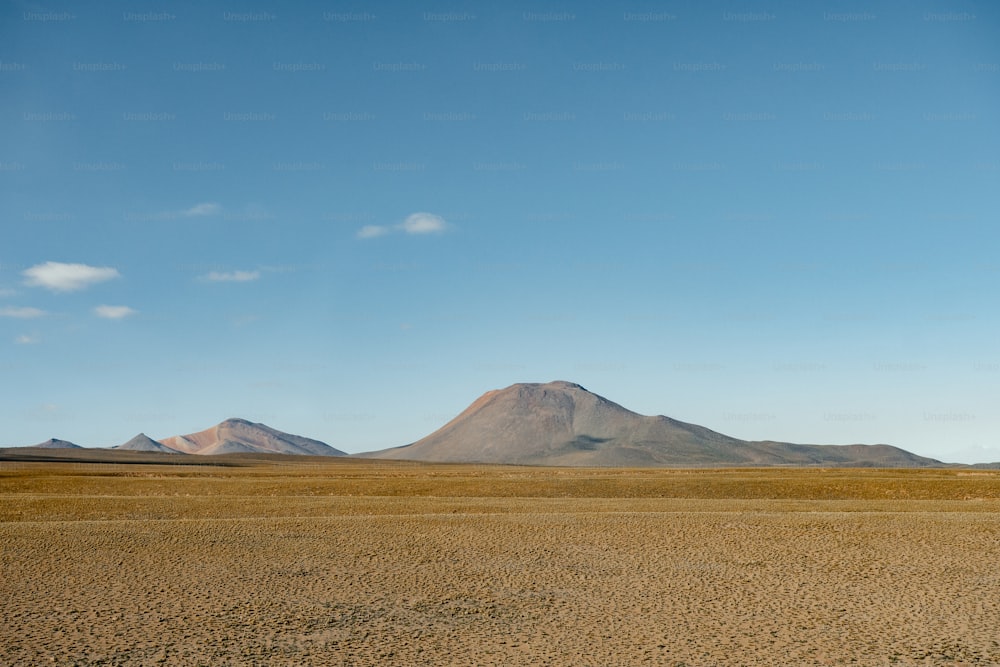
(56, 443)
(235, 435)
(562, 423)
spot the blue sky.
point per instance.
(348, 220)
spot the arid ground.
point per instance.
(304, 561)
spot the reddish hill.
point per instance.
(241, 436)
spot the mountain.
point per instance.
(143, 443)
(561, 423)
(56, 443)
(242, 436)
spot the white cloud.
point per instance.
(113, 312)
(6, 291)
(232, 276)
(205, 208)
(424, 223)
(21, 312)
(60, 277)
(415, 223)
(372, 231)
(25, 339)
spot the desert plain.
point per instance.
(270, 560)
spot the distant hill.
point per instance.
(143, 443)
(56, 443)
(241, 436)
(561, 423)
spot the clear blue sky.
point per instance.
(348, 220)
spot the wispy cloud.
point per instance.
(415, 223)
(199, 210)
(7, 291)
(60, 277)
(21, 312)
(202, 209)
(26, 339)
(372, 231)
(424, 223)
(232, 276)
(114, 312)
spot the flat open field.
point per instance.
(357, 562)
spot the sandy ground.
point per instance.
(226, 568)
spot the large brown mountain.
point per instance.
(241, 436)
(561, 423)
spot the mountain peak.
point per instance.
(143, 443)
(56, 443)
(563, 384)
(557, 422)
(236, 421)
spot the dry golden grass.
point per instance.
(369, 562)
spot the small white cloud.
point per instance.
(113, 312)
(415, 223)
(424, 223)
(6, 291)
(21, 312)
(372, 231)
(60, 277)
(203, 209)
(25, 339)
(232, 276)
